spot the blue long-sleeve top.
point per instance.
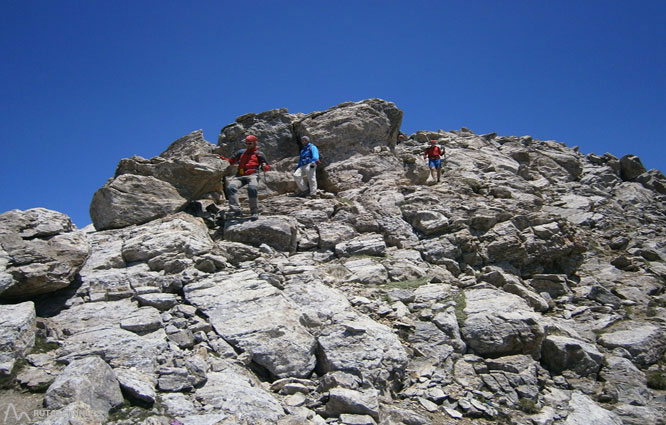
(309, 153)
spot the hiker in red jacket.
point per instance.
(249, 160)
(433, 155)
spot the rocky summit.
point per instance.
(527, 287)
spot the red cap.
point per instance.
(251, 138)
(433, 141)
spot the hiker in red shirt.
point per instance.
(248, 160)
(433, 155)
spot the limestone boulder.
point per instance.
(583, 411)
(178, 235)
(280, 233)
(133, 199)
(368, 244)
(89, 380)
(274, 129)
(321, 305)
(646, 342)
(239, 397)
(352, 127)
(41, 251)
(623, 378)
(561, 353)
(109, 328)
(383, 361)
(188, 164)
(17, 334)
(500, 324)
(118, 347)
(352, 403)
(653, 179)
(631, 167)
(379, 166)
(77, 412)
(137, 385)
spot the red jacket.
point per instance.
(248, 161)
(433, 152)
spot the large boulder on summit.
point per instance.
(352, 127)
(188, 164)
(130, 199)
(146, 189)
(631, 167)
(41, 251)
(339, 132)
(273, 129)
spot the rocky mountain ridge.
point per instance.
(526, 288)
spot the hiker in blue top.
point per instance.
(306, 171)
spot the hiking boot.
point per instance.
(254, 216)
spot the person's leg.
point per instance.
(299, 178)
(311, 172)
(433, 170)
(252, 194)
(232, 195)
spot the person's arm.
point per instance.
(314, 154)
(263, 163)
(234, 159)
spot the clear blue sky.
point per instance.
(86, 83)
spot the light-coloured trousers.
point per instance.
(306, 176)
(238, 182)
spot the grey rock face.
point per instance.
(254, 316)
(653, 179)
(17, 334)
(237, 394)
(40, 252)
(527, 285)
